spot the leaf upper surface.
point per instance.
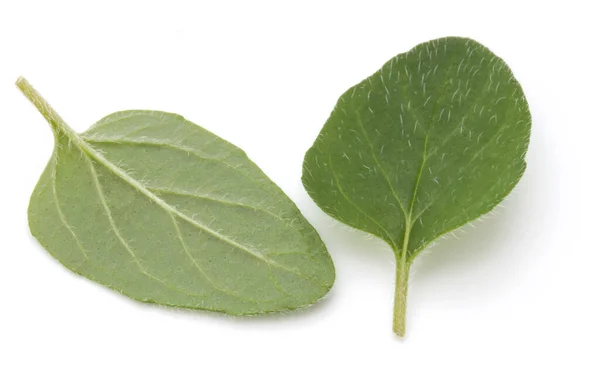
(432, 140)
(160, 209)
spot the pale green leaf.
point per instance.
(432, 140)
(164, 211)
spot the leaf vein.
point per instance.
(165, 206)
(339, 187)
(376, 159)
(200, 269)
(432, 201)
(61, 215)
(122, 240)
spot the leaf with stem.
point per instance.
(434, 139)
(163, 211)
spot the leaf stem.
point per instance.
(57, 124)
(402, 272)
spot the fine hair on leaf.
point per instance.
(431, 141)
(164, 211)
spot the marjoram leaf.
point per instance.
(163, 211)
(434, 139)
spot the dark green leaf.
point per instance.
(433, 140)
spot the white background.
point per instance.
(518, 294)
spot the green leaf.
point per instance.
(432, 140)
(164, 211)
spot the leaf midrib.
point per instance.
(84, 251)
(409, 223)
(130, 250)
(94, 154)
(194, 152)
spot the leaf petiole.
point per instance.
(402, 272)
(56, 122)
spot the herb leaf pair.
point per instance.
(432, 140)
(164, 211)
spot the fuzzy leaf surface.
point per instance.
(163, 211)
(432, 140)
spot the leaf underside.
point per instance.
(164, 211)
(431, 141)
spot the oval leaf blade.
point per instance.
(164, 211)
(433, 140)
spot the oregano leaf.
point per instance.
(163, 211)
(432, 140)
